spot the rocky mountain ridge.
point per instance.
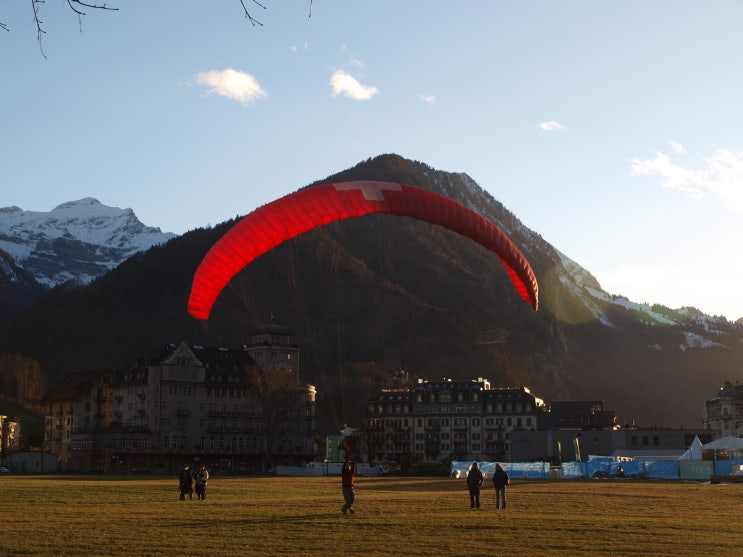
(370, 296)
(78, 240)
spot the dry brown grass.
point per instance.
(142, 516)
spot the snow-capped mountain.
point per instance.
(419, 298)
(77, 240)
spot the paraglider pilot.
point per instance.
(347, 479)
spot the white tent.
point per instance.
(729, 442)
(694, 452)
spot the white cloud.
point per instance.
(551, 126)
(347, 85)
(235, 85)
(678, 148)
(427, 99)
(721, 177)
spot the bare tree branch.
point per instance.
(249, 17)
(36, 4)
(39, 30)
(86, 5)
(79, 6)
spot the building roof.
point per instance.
(270, 328)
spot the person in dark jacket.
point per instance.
(185, 482)
(347, 474)
(500, 481)
(474, 481)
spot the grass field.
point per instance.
(142, 516)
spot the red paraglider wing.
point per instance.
(296, 213)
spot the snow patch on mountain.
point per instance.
(694, 340)
(698, 329)
(575, 278)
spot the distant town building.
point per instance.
(723, 413)
(185, 403)
(270, 348)
(566, 445)
(431, 422)
(437, 421)
(580, 415)
(10, 437)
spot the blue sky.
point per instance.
(611, 128)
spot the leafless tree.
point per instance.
(79, 7)
(278, 393)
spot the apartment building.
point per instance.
(185, 403)
(437, 421)
(723, 413)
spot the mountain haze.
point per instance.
(368, 297)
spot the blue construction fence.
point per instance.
(607, 467)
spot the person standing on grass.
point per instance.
(347, 474)
(474, 481)
(185, 482)
(500, 481)
(202, 476)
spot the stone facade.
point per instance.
(437, 421)
(723, 413)
(184, 403)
